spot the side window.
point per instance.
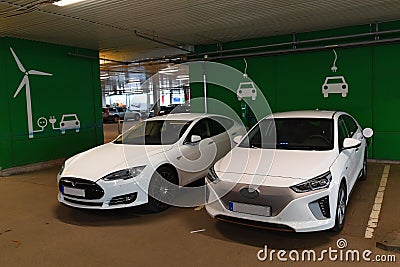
(342, 131)
(216, 127)
(201, 128)
(225, 122)
(351, 125)
(184, 128)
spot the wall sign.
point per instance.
(68, 121)
(335, 84)
(246, 89)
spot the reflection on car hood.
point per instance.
(102, 160)
(293, 164)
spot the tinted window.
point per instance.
(216, 127)
(201, 128)
(292, 133)
(225, 122)
(342, 132)
(157, 132)
(351, 125)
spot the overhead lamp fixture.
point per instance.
(169, 70)
(66, 2)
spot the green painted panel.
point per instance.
(300, 78)
(386, 146)
(386, 88)
(69, 97)
(5, 138)
(294, 81)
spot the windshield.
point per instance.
(291, 133)
(154, 132)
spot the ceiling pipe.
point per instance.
(181, 58)
(97, 58)
(161, 42)
(307, 49)
(296, 43)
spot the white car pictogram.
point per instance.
(336, 85)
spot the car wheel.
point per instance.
(116, 119)
(340, 209)
(162, 189)
(363, 175)
(137, 117)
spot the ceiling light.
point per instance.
(66, 2)
(169, 70)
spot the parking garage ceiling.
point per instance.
(112, 26)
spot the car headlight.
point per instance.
(124, 174)
(212, 175)
(320, 182)
(61, 169)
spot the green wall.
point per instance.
(293, 82)
(73, 88)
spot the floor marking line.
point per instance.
(376, 208)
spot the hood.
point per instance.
(291, 164)
(97, 162)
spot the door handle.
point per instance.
(211, 142)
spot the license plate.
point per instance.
(73, 191)
(250, 209)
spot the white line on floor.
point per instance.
(376, 209)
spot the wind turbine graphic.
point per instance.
(25, 82)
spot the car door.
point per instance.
(354, 131)
(195, 158)
(350, 166)
(220, 136)
(344, 158)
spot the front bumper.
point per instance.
(102, 194)
(290, 211)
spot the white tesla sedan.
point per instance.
(147, 163)
(293, 171)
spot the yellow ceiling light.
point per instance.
(66, 2)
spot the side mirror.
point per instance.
(195, 138)
(237, 139)
(368, 132)
(349, 143)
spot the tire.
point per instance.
(340, 209)
(162, 189)
(137, 117)
(363, 175)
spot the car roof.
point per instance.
(182, 116)
(325, 114)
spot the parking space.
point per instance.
(36, 230)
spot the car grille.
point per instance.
(275, 197)
(83, 203)
(92, 190)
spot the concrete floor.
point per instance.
(35, 230)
